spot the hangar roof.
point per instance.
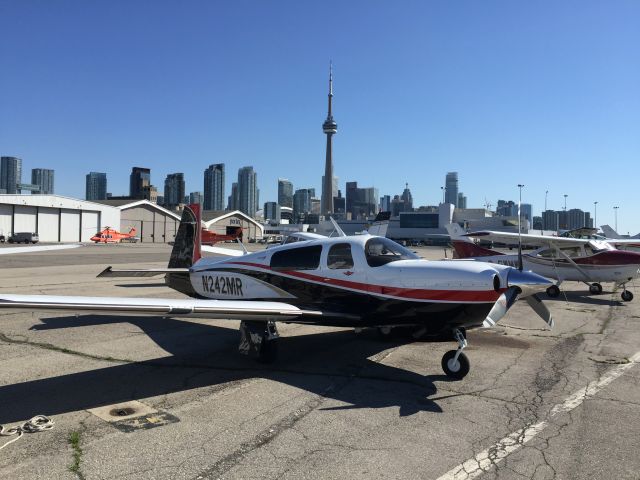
(52, 201)
(222, 215)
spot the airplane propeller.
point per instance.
(525, 284)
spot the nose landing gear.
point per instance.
(455, 363)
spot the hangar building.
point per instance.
(55, 218)
(225, 223)
(153, 223)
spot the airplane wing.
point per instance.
(511, 238)
(39, 248)
(213, 309)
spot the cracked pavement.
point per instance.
(335, 405)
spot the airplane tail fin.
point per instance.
(609, 232)
(380, 224)
(186, 249)
(463, 246)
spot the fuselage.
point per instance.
(357, 280)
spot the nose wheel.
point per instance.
(627, 296)
(455, 363)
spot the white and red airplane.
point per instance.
(359, 281)
(562, 258)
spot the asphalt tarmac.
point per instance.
(162, 398)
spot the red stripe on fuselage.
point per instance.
(488, 296)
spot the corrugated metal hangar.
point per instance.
(55, 218)
(224, 223)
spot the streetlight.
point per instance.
(565, 202)
(545, 200)
(443, 193)
(519, 204)
(595, 215)
(615, 211)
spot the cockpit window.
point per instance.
(339, 257)
(301, 258)
(380, 251)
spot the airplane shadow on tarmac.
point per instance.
(583, 296)
(334, 365)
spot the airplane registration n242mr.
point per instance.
(361, 281)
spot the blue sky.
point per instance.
(542, 93)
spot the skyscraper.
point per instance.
(139, 180)
(301, 204)
(196, 197)
(285, 193)
(214, 187)
(272, 212)
(233, 203)
(43, 178)
(451, 188)
(247, 191)
(173, 189)
(329, 127)
(96, 186)
(10, 174)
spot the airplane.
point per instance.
(612, 234)
(110, 235)
(562, 258)
(360, 281)
(210, 238)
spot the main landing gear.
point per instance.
(553, 291)
(259, 340)
(455, 363)
(595, 289)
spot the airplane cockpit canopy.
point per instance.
(380, 251)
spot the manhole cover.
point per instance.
(122, 412)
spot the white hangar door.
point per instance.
(48, 224)
(70, 225)
(6, 212)
(25, 219)
(90, 225)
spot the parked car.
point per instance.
(2, 239)
(24, 237)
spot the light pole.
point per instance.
(443, 193)
(545, 200)
(615, 211)
(565, 202)
(595, 215)
(519, 204)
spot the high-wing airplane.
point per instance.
(628, 243)
(210, 238)
(612, 234)
(358, 281)
(562, 258)
(110, 235)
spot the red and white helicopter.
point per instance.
(562, 258)
(359, 281)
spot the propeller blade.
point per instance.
(499, 309)
(540, 308)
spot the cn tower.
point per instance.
(329, 127)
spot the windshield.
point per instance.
(380, 251)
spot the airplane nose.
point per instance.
(528, 282)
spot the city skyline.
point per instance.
(491, 102)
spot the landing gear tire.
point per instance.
(553, 291)
(456, 369)
(627, 296)
(595, 289)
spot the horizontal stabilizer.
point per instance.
(228, 252)
(152, 272)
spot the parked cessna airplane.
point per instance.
(612, 234)
(358, 281)
(582, 260)
(110, 235)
